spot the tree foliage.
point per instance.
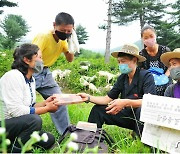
(152, 12)
(81, 34)
(145, 11)
(6, 3)
(15, 27)
(176, 14)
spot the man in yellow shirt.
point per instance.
(52, 44)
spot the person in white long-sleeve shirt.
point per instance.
(17, 98)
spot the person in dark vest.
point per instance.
(122, 104)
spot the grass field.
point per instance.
(124, 143)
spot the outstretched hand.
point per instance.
(84, 96)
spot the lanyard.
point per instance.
(31, 92)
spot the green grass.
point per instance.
(124, 143)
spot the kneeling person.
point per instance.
(131, 85)
(17, 98)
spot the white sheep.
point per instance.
(106, 74)
(93, 88)
(83, 82)
(56, 73)
(60, 74)
(65, 73)
(89, 79)
(108, 87)
(84, 67)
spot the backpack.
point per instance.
(89, 139)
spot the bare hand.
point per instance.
(51, 105)
(49, 99)
(84, 96)
(115, 106)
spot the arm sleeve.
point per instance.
(149, 84)
(117, 88)
(41, 41)
(142, 64)
(169, 91)
(12, 95)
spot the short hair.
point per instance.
(25, 50)
(122, 54)
(64, 18)
(147, 27)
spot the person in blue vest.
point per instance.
(122, 104)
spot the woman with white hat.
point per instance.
(172, 60)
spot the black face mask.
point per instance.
(61, 35)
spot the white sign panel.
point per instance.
(160, 110)
(163, 138)
(162, 122)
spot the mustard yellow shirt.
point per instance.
(49, 47)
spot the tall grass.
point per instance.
(80, 112)
(124, 142)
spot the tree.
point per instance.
(176, 14)
(168, 31)
(15, 27)
(107, 27)
(175, 21)
(81, 34)
(167, 35)
(153, 12)
(108, 36)
(6, 3)
(145, 11)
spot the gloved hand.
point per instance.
(73, 44)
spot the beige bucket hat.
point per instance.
(166, 57)
(130, 49)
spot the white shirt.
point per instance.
(15, 94)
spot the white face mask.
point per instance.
(150, 42)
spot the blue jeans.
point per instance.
(47, 86)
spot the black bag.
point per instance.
(89, 139)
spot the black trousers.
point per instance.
(126, 118)
(22, 127)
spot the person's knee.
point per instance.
(35, 121)
(98, 109)
(96, 113)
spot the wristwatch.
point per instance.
(88, 100)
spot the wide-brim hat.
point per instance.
(166, 57)
(130, 49)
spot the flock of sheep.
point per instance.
(87, 80)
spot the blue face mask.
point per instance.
(124, 68)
